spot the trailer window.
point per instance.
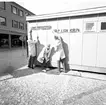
(89, 26)
(103, 25)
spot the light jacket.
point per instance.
(31, 47)
(59, 54)
(43, 55)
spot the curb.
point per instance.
(86, 75)
(79, 74)
(5, 77)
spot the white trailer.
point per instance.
(83, 33)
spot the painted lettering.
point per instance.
(73, 30)
(41, 28)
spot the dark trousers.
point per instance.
(32, 61)
(46, 63)
(63, 63)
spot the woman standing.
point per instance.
(60, 55)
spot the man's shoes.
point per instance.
(29, 66)
(62, 71)
(44, 70)
(47, 69)
(32, 67)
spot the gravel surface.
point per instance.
(49, 89)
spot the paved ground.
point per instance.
(33, 87)
(12, 59)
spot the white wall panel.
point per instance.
(30, 25)
(101, 50)
(50, 39)
(76, 42)
(34, 32)
(42, 33)
(64, 24)
(90, 43)
(50, 35)
(89, 49)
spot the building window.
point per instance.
(14, 10)
(21, 13)
(90, 26)
(2, 5)
(15, 41)
(4, 41)
(21, 25)
(27, 14)
(103, 25)
(14, 24)
(3, 21)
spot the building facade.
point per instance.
(13, 32)
(13, 27)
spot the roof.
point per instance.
(87, 11)
(23, 8)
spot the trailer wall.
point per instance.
(84, 40)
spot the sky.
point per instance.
(39, 7)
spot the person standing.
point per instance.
(60, 54)
(32, 51)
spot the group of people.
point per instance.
(44, 56)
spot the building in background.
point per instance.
(13, 32)
(13, 27)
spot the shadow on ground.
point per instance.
(9, 72)
(29, 71)
(6, 70)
